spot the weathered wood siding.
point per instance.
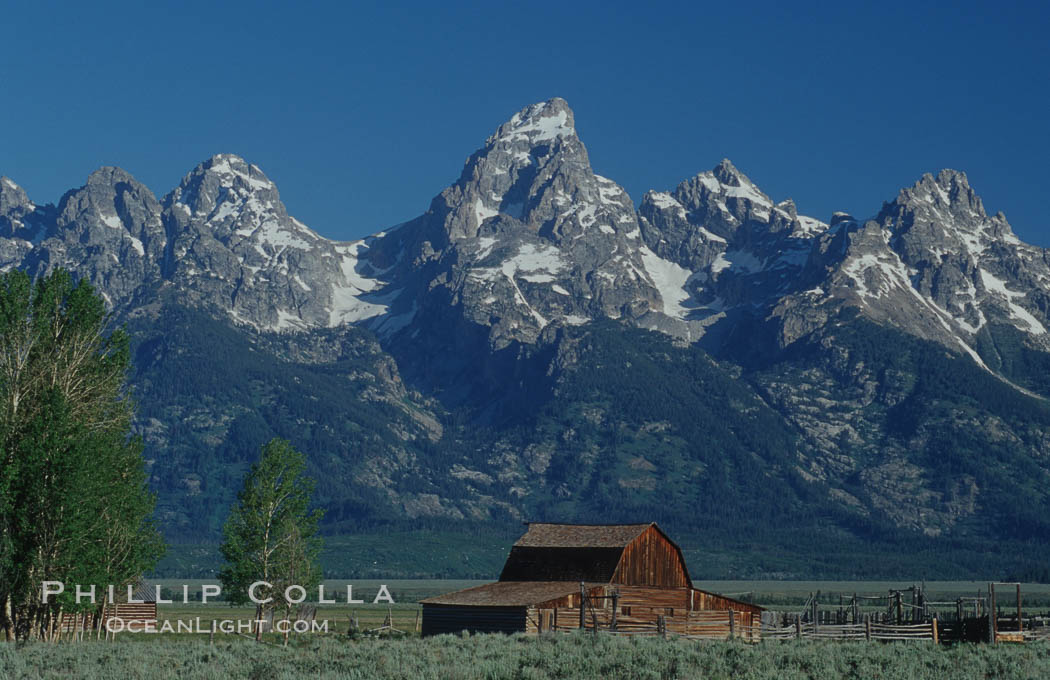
(648, 602)
(438, 619)
(145, 612)
(652, 560)
(705, 601)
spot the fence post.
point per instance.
(583, 606)
(935, 638)
(867, 628)
(798, 627)
(661, 626)
(732, 626)
(616, 605)
(991, 613)
(1020, 620)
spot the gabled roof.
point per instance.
(509, 594)
(577, 552)
(544, 535)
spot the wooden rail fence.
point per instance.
(730, 625)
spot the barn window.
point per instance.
(669, 611)
(626, 611)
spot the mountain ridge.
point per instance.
(713, 245)
(491, 360)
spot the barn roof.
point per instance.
(543, 535)
(143, 591)
(575, 552)
(561, 564)
(509, 594)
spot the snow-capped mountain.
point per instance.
(519, 301)
(530, 237)
(233, 244)
(222, 239)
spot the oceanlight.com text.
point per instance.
(116, 624)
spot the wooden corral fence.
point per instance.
(853, 631)
(962, 620)
(728, 625)
(698, 625)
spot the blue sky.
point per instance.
(362, 112)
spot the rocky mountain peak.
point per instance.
(223, 186)
(232, 170)
(541, 122)
(726, 173)
(528, 237)
(947, 194)
(113, 198)
(533, 163)
(109, 230)
(109, 175)
(16, 211)
(723, 199)
(11, 195)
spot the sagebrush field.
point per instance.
(574, 656)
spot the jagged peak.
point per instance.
(540, 122)
(727, 173)
(11, 193)
(231, 169)
(228, 163)
(723, 180)
(949, 188)
(948, 177)
(224, 178)
(109, 175)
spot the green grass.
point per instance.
(577, 656)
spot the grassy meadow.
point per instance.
(577, 656)
(364, 655)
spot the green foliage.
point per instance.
(271, 534)
(74, 506)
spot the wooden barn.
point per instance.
(628, 574)
(141, 613)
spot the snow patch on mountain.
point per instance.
(540, 123)
(1017, 312)
(670, 280)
